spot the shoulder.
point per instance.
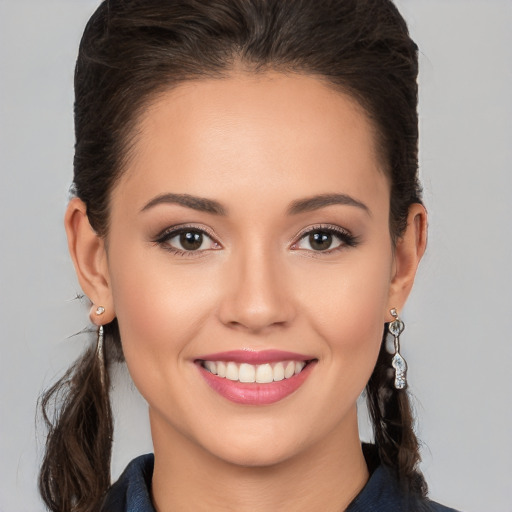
(436, 507)
(382, 493)
(131, 493)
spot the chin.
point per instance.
(256, 456)
(257, 450)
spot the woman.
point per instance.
(247, 225)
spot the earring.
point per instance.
(100, 310)
(396, 328)
(99, 354)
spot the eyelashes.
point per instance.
(324, 239)
(194, 241)
(187, 241)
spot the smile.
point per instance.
(255, 378)
(250, 373)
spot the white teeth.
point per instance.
(221, 369)
(299, 365)
(278, 372)
(232, 371)
(211, 366)
(262, 374)
(246, 373)
(289, 371)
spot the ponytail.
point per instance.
(392, 419)
(75, 472)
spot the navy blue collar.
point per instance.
(131, 493)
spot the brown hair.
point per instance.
(133, 49)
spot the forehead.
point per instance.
(264, 131)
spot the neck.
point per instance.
(326, 477)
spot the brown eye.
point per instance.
(187, 240)
(325, 240)
(320, 240)
(191, 240)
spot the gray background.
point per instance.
(458, 337)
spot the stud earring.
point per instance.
(396, 328)
(100, 310)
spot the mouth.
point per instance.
(255, 378)
(250, 373)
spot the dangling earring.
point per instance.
(396, 328)
(99, 354)
(99, 346)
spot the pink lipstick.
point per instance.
(255, 377)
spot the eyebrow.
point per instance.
(196, 203)
(308, 204)
(320, 201)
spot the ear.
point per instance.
(89, 256)
(409, 250)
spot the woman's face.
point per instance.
(249, 235)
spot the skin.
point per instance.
(255, 144)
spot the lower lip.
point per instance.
(254, 393)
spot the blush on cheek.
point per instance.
(139, 317)
(156, 321)
(351, 318)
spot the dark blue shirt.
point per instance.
(131, 493)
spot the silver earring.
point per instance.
(396, 328)
(99, 354)
(100, 310)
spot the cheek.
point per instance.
(348, 306)
(160, 308)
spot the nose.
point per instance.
(256, 295)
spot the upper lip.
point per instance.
(255, 356)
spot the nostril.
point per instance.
(255, 299)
